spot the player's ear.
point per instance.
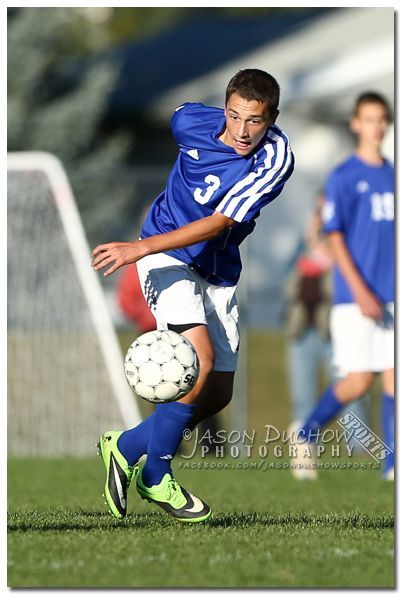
(273, 118)
(354, 124)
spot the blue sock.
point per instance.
(387, 418)
(171, 419)
(326, 408)
(134, 443)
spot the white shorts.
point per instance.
(177, 295)
(360, 343)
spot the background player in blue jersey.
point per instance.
(231, 163)
(359, 219)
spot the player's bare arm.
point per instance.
(368, 302)
(121, 253)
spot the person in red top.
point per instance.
(131, 300)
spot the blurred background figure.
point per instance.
(358, 218)
(308, 298)
(308, 294)
(129, 298)
(131, 301)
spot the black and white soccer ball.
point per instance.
(161, 366)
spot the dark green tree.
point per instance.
(64, 118)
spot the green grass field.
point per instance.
(267, 530)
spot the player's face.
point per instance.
(246, 123)
(370, 124)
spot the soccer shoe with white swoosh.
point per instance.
(174, 500)
(118, 473)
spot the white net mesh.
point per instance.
(60, 393)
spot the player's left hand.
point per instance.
(115, 253)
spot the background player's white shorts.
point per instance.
(360, 343)
(178, 295)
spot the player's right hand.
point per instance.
(369, 304)
(115, 253)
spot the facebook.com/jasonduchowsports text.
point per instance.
(275, 449)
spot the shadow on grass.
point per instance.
(62, 520)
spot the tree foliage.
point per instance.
(63, 118)
(57, 97)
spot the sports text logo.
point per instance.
(364, 436)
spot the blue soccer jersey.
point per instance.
(210, 176)
(360, 204)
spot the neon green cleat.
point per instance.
(174, 500)
(118, 473)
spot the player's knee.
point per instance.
(362, 383)
(199, 337)
(388, 382)
(207, 362)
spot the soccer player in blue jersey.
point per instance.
(359, 220)
(231, 163)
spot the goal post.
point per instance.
(66, 381)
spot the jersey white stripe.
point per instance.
(253, 199)
(270, 175)
(227, 205)
(265, 177)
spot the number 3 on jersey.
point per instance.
(204, 195)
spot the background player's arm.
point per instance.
(122, 253)
(368, 302)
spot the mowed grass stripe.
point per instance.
(63, 520)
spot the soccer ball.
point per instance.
(161, 366)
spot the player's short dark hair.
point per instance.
(372, 97)
(253, 84)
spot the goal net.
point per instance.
(66, 383)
